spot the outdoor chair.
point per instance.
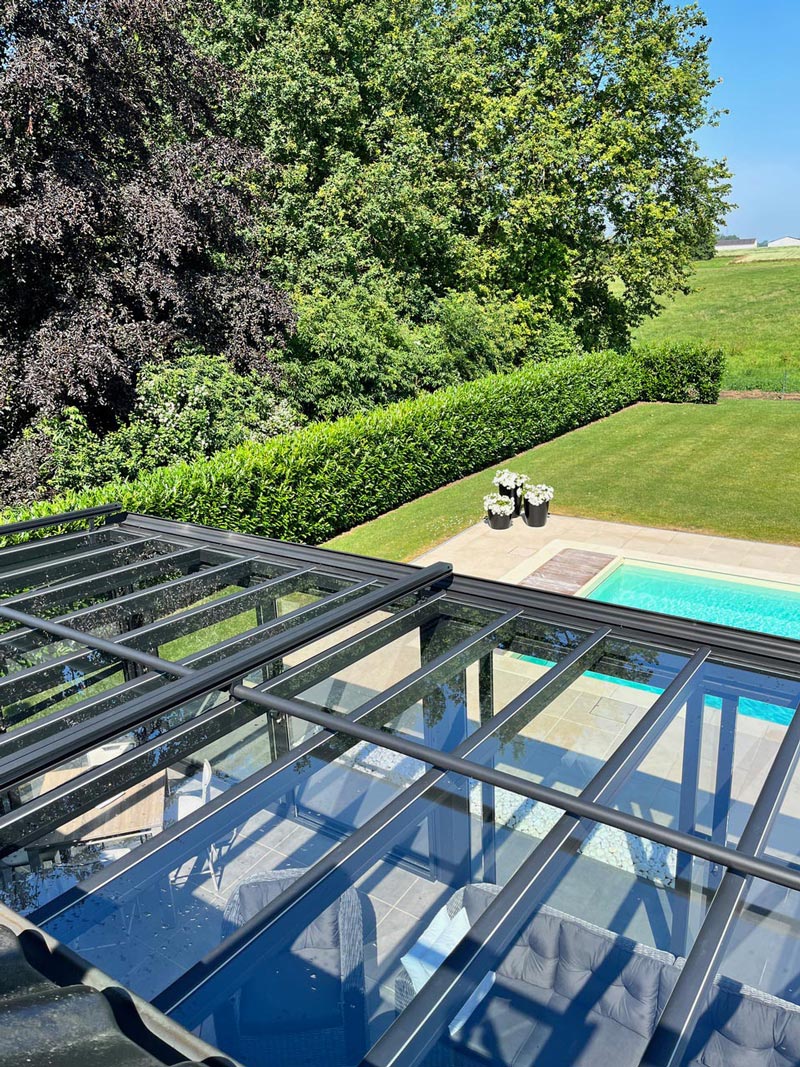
(188, 803)
(305, 1004)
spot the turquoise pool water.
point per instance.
(769, 609)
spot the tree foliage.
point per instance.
(533, 150)
(125, 210)
(188, 409)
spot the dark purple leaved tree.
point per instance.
(125, 210)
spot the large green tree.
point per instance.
(537, 150)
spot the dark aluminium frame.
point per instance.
(377, 584)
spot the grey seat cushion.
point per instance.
(299, 988)
(744, 1027)
(569, 994)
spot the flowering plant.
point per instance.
(506, 479)
(538, 494)
(498, 505)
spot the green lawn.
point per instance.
(730, 469)
(751, 304)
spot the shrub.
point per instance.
(193, 406)
(326, 478)
(681, 372)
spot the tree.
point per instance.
(125, 210)
(537, 150)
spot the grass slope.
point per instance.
(727, 469)
(751, 304)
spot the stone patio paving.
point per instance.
(511, 555)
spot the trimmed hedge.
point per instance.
(324, 479)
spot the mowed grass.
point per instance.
(729, 469)
(750, 303)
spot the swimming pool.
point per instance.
(767, 607)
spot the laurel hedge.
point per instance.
(328, 477)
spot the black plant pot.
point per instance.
(513, 494)
(498, 522)
(535, 514)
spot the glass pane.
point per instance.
(445, 707)
(329, 976)
(752, 1010)
(69, 714)
(105, 751)
(79, 566)
(706, 770)
(145, 566)
(580, 979)
(562, 738)
(228, 626)
(35, 552)
(146, 925)
(52, 687)
(102, 820)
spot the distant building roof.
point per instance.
(732, 242)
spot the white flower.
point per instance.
(538, 494)
(496, 504)
(509, 479)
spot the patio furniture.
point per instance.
(187, 803)
(96, 757)
(305, 1004)
(571, 994)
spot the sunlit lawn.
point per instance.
(751, 304)
(731, 469)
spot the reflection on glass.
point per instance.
(705, 771)
(53, 686)
(459, 696)
(563, 737)
(752, 1009)
(44, 551)
(584, 978)
(326, 979)
(80, 566)
(101, 821)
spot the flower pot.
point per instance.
(535, 514)
(498, 522)
(513, 494)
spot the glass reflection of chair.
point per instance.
(186, 803)
(306, 1003)
(110, 855)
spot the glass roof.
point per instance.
(321, 808)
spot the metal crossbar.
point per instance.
(62, 519)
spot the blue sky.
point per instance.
(755, 49)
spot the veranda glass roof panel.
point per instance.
(262, 818)
(202, 697)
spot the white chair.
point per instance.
(110, 855)
(187, 803)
